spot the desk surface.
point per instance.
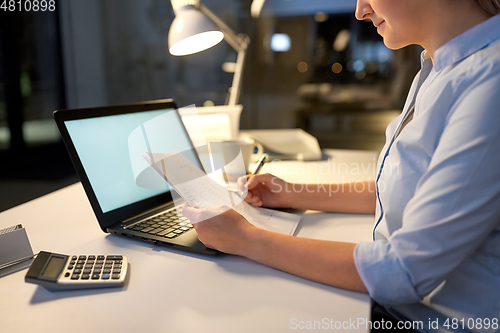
(175, 291)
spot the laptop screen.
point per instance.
(110, 149)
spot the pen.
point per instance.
(260, 164)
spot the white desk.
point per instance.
(174, 291)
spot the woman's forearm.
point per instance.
(327, 262)
(359, 197)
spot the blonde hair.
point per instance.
(491, 6)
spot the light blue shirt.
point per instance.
(436, 253)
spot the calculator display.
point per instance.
(52, 269)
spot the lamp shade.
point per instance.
(192, 32)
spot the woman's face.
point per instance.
(399, 22)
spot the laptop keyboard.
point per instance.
(167, 225)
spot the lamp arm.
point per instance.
(234, 93)
(239, 43)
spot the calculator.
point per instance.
(55, 271)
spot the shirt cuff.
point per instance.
(384, 274)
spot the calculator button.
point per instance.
(105, 277)
(100, 257)
(85, 276)
(82, 257)
(95, 276)
(99, 262)
(75, 276)
(171, 235)
(116, 271)
(91, 257)
(77, 271)
(106, 271)
(81, 261)
(87, 271)
(115, 276)
(67, 274)
(79, 266)
(73, 258)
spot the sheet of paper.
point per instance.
(272, 220)
(190, 182)
(198, 189)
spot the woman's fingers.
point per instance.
(241, 182)
(190, 212)
(256, 186)
(255, 180)
(253, 197)
(194, 214)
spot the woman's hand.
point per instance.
(327, 262)
(222, 229)
(265, 190)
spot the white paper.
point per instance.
(198, 189)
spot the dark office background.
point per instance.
(337, 80)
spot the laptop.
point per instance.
(106, 145)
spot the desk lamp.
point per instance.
(195, 28)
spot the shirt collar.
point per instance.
(424, 56)
(467, 43)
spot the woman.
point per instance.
(436, 249)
